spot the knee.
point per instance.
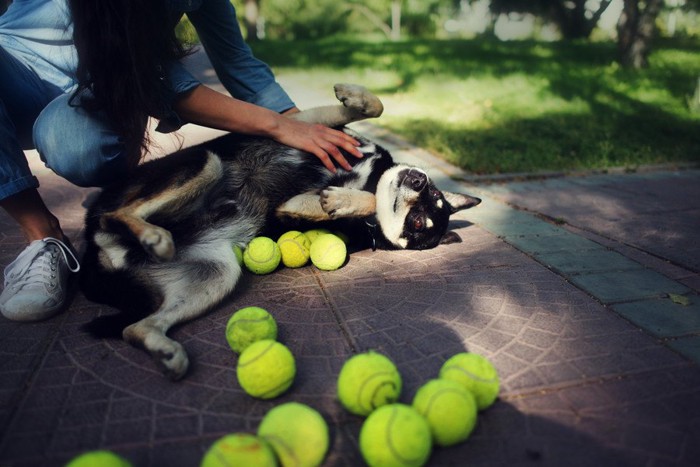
(78, 146)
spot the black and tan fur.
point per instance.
(159, 244)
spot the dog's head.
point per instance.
(414, 214)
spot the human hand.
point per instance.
(321, 141)
(207, 107)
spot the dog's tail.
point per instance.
(118, 290)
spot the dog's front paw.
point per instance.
(158, 243)
(354, 96)
(336, 202)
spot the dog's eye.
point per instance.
(418, 223)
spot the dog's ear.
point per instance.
(459, 202)
(450, 237)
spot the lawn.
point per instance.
(495, 107)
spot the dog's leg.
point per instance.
(306, 206)
(155, 240)
(331, 203)
(358, 104)
(189, 290)
(341, 202)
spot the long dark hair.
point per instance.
(123, 46)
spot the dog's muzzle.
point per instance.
(414, 179)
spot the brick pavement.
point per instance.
(563, 283)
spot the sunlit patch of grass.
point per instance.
(517, 106)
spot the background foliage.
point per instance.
(492, 105)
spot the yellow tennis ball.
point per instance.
(266, 369)
(239, 449)
(262, 256)
(297, 433)
(476, 374)
(249, 325)
(328, 252)
(313, 234)
(367, 381)
(239, 254)
(342, 236)
(449, 409)
(98, 459)
(294, 247)
(395, 435)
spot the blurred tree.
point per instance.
(385, 15)
(635, 30)
(680, 17)
(251, 17)
(303, 19)
(310, 19)
(575, 19)
(377, 19)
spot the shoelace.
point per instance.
(41, 265)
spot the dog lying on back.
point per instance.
(159, 245)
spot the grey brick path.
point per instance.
(564, 284)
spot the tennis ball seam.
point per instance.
(294, 241)
(471, 375)
(276, 441)
(267, 370)
(439, 393)
(231, 325)
(392, 448)
(360, 392)
(286, 383)
(221, 457)
(323, 253)
(261, 261)
(258, 356)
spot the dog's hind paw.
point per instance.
(168, 354)
(158, 243)
(354, 96)
(173, 362)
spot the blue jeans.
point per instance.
(37, 78)
(35, 113)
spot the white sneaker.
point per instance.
(36, 283)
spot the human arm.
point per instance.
(244, 76)
(207, 107)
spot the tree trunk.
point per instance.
(635, 31)
(252, 14)
(395, 20)
(574, 20)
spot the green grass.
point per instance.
(493, 107)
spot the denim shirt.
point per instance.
(40, 34)
(184, 5)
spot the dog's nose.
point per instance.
(415, 180)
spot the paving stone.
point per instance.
(611, 287)
(561, 241)
(598, 260)
(688, 346)
(663, 317)
(582, 383)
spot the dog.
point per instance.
(158, 246)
